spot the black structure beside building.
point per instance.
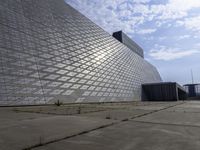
(193, 91)
(123, 38)
(164, 91)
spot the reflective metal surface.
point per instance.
(49, 51)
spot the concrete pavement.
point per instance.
(141, 126)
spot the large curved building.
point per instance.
(49, 52)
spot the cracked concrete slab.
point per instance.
(119, 114)
(109, 127)
(38, 131)
(133, 135)
(184, 114)
(190, 107)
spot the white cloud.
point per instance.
(140, 8)
(146, 31)
(129, 15)
(110, 15)
(161, 38)
(179, 23)
(183, 5)
(163, 53)
(197, 45)
(184, 37)
(192, 23)
(141, 1)
(175, 9)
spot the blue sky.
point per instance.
(167, 30)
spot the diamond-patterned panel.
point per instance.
(49, 51)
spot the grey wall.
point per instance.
(49, 51)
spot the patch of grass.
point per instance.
(58, 103)
(108, 117)
(79, 110)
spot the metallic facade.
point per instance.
(49, 52)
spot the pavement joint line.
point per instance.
(100, 127)
(171, 124)
(154, 111)
(62, 114)
(195, 112)
(67, 137)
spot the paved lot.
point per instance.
(113, 126)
